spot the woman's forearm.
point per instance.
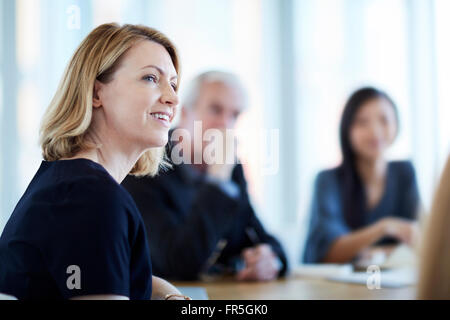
(161, 288)
(345, 248)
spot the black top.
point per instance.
(188, 216)
(74, 232)
(400, 199)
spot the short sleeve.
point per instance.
(326, 218)
(89, 251)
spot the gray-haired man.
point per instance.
(198, 215)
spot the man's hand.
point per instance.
(261, 264)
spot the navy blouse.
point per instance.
(327, 221)
(74, 232)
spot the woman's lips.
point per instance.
(162, 118)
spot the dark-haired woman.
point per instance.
(367, 200)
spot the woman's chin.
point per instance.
(157, 142)
(373, 155)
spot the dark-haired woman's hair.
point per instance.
(354, 196)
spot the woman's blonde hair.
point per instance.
(434, 279)
(68, 117)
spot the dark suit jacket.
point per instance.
(186, 217)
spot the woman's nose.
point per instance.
(169, 96)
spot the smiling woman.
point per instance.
(109, 46)
(109, 117)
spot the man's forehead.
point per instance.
(222, 90)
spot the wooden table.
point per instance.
(296, 288)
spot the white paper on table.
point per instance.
(322, 270)
(403, 256)
(395, 278)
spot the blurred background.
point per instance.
(299, 60)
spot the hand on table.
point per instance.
(404, 230)
(261, 264)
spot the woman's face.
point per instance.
(138, 105)
(374, 129)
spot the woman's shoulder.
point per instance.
(102, 189)
(84, 187)
(65, 205)
(327, 181)
(102, 200)
(102, 195)
(82, 178)
(330, 175)
(402, 168)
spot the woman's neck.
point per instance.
(372, 170)
(117, 166)
(117, 161)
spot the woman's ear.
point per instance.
(96, 101)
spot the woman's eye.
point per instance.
(151, 78)
(174, 86)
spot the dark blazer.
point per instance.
(186, 216)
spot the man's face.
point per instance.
(218, 106)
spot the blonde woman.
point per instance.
(76, 233)
(434, 280)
